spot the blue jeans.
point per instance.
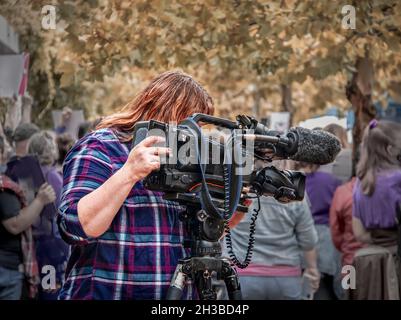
(10, 284)
(271, 288)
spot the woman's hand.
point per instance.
(145, 158)
(98, 208)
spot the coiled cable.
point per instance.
(252, 225)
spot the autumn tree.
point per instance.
(102, 51)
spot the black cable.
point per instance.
(252, 225)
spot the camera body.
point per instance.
(180, 173)
(207, 176)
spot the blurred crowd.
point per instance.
(33, 256)
(341, 242)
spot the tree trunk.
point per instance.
(286, 101)
(256, 105)
(359, 91)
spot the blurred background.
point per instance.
(255, 57)
(66, 64)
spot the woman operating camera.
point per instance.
(126, 240)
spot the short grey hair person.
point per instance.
(43, 145)
(24, 131)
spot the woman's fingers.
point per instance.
(154, 162)
(146, 157)
(159, 151)
(153, 158)
(150, 141)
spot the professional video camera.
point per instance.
(212, 177)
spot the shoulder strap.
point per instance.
(234, 180)
(205, 198)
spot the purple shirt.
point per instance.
(55, 179)
(378, 211)
(50, 248)
(45, 224)
(320, 187)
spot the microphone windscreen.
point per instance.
(316, 146)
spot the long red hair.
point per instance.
(170, 97)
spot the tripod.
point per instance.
(204, 233)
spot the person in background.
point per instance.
(284, 233)
(3, 162)
(341, 223)
(84, 128)
(64, 143)
(17, 254)
(87, 127)
(376, 212)
(65, 120)
(341, 168)
(341, 207)
(43, 144)
(50, 248)
(21, 137)
(320, 187)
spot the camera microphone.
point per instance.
(301, 144)
(315, 146)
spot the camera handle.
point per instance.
(201, 117)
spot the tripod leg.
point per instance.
(203, 283)
(232, 283)
(177, 284)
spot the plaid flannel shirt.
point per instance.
(136, 257)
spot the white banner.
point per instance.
(13, 74)
(280, 121)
